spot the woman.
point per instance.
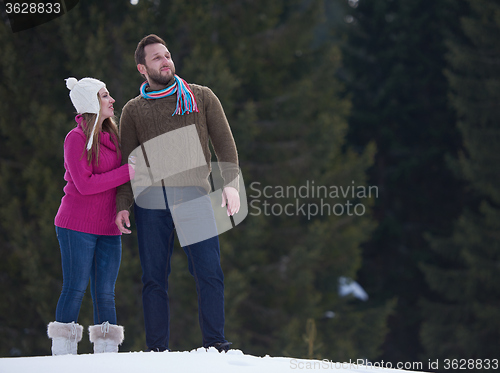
(89, 239)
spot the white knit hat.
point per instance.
(83, 94)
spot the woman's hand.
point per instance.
(131, 166)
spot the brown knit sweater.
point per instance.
(143, 120)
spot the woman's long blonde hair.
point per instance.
(108, 125)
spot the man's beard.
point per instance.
(157, 78)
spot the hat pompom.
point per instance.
(70, 83)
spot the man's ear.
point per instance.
(141, 68)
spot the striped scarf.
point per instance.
(186, 102)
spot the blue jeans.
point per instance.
(155, 232)
(87, 256)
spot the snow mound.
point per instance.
(195, 361)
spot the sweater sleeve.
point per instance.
(129, 141)
(222, 139)
(81, 172)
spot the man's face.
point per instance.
(159, 67)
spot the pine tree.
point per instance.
(462, 319)
(394, 62)
(32, 125)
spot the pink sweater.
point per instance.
(89, 203)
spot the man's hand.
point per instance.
(122, 219)
(232, 197)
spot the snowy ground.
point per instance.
(195, 361)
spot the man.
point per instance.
(167, 107)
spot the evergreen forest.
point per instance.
(367, 135)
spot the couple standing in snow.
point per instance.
(94, 211)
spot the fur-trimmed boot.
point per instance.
(106, 337)
(65, 337)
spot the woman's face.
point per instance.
(107, 110)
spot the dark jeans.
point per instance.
(155, 232)
(87, 256)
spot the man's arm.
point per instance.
(225, 149)
(128, 141)
(222, 139)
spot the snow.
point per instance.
(200, 360)
(349, 286)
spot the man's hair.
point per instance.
(140, 55)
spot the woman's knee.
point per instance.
(73, 293)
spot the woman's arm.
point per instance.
(82, 174)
